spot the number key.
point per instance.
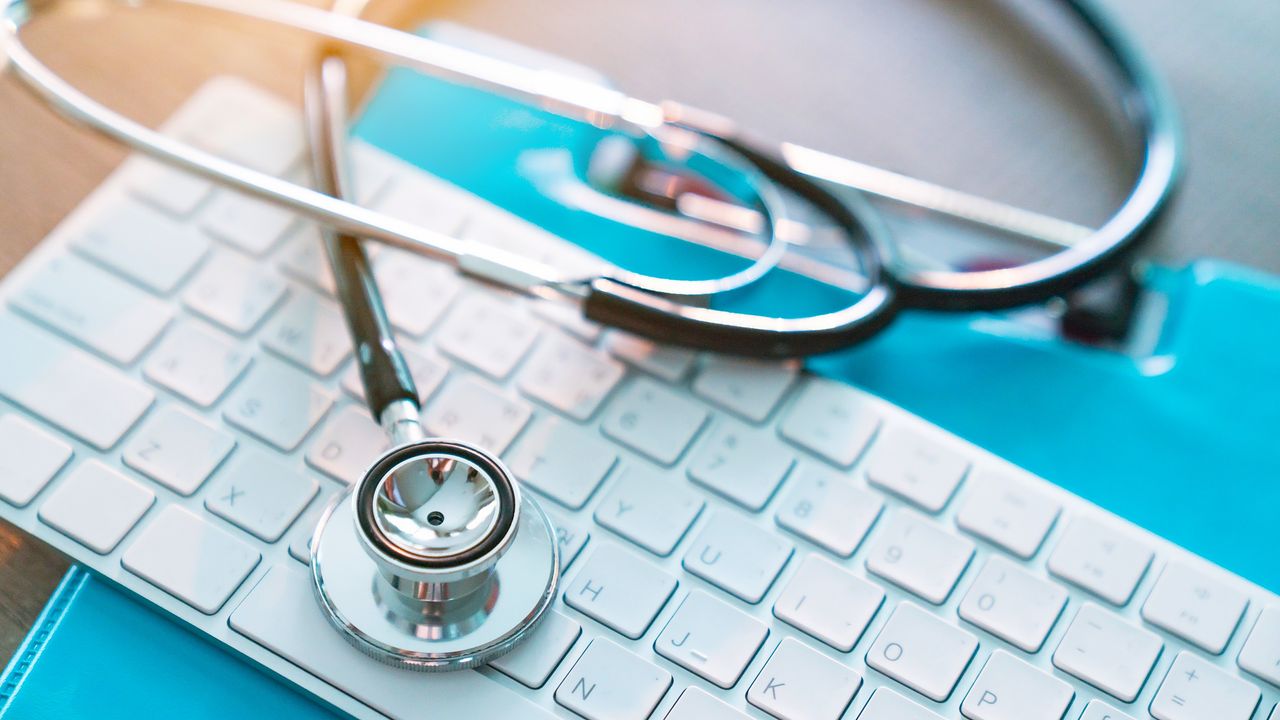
(828, 510)
(1012, 604)
(744, 465)
(918, 556)
(653, 420)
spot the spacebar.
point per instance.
(281, 614)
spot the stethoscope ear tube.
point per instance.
(383, 370)
(1149, 105)
(732, 333)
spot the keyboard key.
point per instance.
(92, 307)
(306, 639)
(648, 510)
(567, 318)
(305, 528)
(916, 468)
(189, 558)
(474, 411)
(799, 683)
(1009, 689)
(309, 331)
(562, 461)
(276, 404)
(917, 555)
(533, 660)
(569, 376)
(424, 201)
(259, 494)
(488, 334)
(1108, 653)
(247, 125)
(1098, 710)
(667, 362)
(427, 374)
(29, 458)
(831, 420)
(828, 602)
(744, 465)
(66, 387)
(1194, 689)
(177, 449)
(922, 651)
(1261, 652)
(1008, 513)
(571, 538)
(828, 510)
(247, 224)
(888, 705)
(609, 683)
(711, 639)
(304, 258)
(737, 556)
(143, 244)
(348, 445)
(415, 290)
(620, 590)
(96, 506)
(1100, 559)
(749, 388)
(1195, 607)
(1012, 604)
(653, 420)
(168, 188)
(233, 292)
(195, 363)
(695, 704)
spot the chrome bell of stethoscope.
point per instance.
(434, 560)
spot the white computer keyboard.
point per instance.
(177, 403)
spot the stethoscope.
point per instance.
(435, 560)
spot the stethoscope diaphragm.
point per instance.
(434, 560)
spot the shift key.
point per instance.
(85, 397)
(93, 307)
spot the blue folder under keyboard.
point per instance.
(1181, 442)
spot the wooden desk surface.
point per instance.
(833, 75)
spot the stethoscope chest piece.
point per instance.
(434, 560)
